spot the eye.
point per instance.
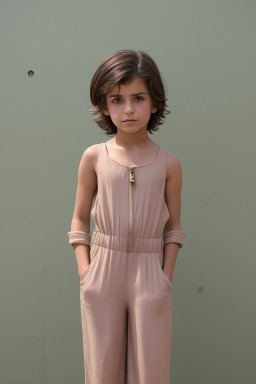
(117, 100)
(139, 98)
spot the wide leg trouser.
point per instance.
(126, 318)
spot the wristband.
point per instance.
(79, 237)
(174, 236)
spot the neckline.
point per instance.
(135, 166)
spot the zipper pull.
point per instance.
(132, 175)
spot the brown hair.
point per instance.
(120, 68)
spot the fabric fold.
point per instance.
(79, 237)
(174, 236)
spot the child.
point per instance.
(125, 277)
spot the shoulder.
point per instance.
(90, 157)
(173, 166)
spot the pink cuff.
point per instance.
(79, 237)
(174, 236)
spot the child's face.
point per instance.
(130, 107)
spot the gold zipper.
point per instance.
(132, 181)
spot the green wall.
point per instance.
(206, 53)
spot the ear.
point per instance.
(106, 112)
(153, 109)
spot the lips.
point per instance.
(129, 120)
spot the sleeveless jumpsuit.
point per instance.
(124, 293)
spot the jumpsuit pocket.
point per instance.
(93, 254)
(164, 275)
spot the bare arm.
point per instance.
(86, 188)
(173, 201)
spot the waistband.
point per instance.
(117, 243)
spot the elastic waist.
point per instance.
(117, 243)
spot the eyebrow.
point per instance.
(134, 94)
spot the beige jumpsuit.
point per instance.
(125, 295)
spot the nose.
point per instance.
(128, 108)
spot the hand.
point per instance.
(168, 274)
(82, 268)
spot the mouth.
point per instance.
(128, 120)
